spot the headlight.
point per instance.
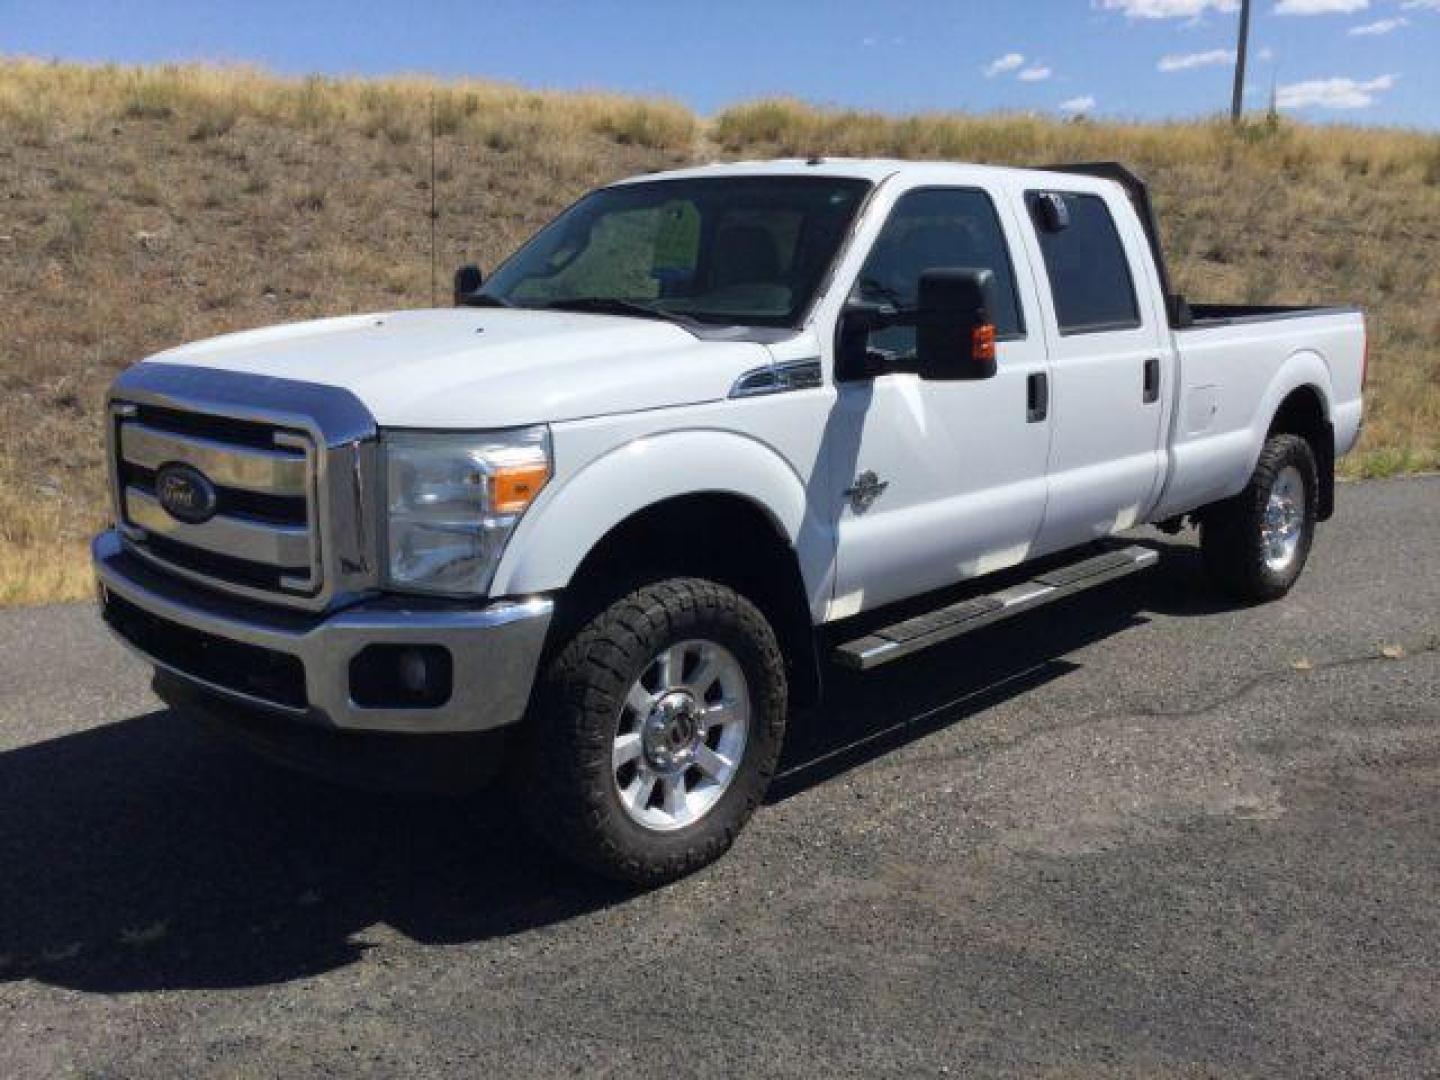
(453, 499)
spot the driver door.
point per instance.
(944, 480)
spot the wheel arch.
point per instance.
(1303, 412)
(697, 503)
(1298, 400)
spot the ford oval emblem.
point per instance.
(185, 493)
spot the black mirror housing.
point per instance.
(954, 337)
(467, 280)
(1051, 213)
(858, 320)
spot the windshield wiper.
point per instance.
(605, 305)
(870, 287)
(480, 299)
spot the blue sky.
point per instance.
(1357, 61)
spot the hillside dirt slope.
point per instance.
(144, 207)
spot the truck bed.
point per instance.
(1235, 364)
(1211, 315)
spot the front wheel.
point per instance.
(1255, 545)
(656, 731)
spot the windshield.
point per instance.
(740, 250)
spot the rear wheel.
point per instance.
(1255, 545)
(656, 731)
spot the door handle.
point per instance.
(1152, 380)
(1037, 397)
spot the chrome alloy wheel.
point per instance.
(681, 735)
(1284, 519)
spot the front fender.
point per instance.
(568, 521)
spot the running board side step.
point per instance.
(922, 631)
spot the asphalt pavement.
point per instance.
(1145, 832)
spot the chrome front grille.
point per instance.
(264, 535)
(292, 469)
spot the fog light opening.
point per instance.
(401, 677)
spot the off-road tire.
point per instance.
(564, 775)
(1232, 544)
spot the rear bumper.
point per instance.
(303, 667)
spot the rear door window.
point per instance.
(1088, 269)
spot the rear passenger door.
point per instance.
(1106, 366)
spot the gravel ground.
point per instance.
(1145, 833)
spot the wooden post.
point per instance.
(434, 214)
(1237, 102)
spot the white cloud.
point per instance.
(1186, 61)
(1320, 7)
(1421, 5)
(1008, 62)
(1339, 93)
(1078, 104)
(1168, 9)
(1266, 54)
(1015, 62)
(1379, 26)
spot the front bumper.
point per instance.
(301, 666)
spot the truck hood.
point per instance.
(489, 368)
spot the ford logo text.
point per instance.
(185, 493)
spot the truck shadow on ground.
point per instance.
(145, 854)
(866, 716)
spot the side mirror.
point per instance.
(858, 319)
(467, 280)
(954, 337)
(1051, 213)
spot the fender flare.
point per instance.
(568, 521)
(1303, 369)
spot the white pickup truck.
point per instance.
(708, 432)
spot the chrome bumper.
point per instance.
(494, 651)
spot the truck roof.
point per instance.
(1096, 177)
(872, 169)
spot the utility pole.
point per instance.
(1237, 102)
(434, 214)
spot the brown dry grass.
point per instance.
(144, 207)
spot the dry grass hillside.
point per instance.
(143, 207)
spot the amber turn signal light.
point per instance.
(982, 342)
(514, 487)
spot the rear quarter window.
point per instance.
(1087, 267)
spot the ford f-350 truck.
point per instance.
(707, 433)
